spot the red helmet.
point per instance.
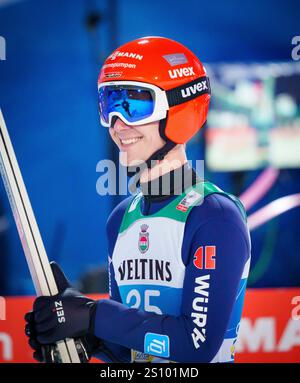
(170, 66)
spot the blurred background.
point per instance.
(48, 95)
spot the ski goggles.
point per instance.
(133, 102)
(138, 103)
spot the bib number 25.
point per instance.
(134, 300)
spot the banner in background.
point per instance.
(269, 332)
(270, 327)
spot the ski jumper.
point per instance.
(178, 270)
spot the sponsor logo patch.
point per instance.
(145, 269)
(190, 199)
(59, 311)
(117, 65)
(113, 75)
(194, 89)
(200, 309)
(157, 344)
(204, 258)
(181, 72)
(130, 55)
(176, 59)
(138, 356)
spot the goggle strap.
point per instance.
(189, 91)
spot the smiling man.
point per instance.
(179, 249)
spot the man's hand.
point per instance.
(89, 344)
(68, 314)
(40, 353)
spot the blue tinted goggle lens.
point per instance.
(133, 102)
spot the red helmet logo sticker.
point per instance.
(130, 55)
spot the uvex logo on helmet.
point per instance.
(194, 89)
(182, 72)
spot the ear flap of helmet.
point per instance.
(185, 120)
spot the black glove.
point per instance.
(68, 314)
(40, 353)
(89, 345)
(65, 315)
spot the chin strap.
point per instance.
(156, 156)
(160, 153)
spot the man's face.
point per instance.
(136, 143)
